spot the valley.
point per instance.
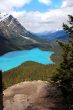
(36, 54)
(15, 38)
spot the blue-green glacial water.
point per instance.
(13, 59)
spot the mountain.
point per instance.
(13, 36)
(56, 35)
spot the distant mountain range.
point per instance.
(13, 36)
(56, 35)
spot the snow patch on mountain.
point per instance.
(27, 38)
(3, 16)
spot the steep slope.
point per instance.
(14, 36)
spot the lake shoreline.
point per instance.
(19, 57)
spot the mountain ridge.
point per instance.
(59, 34)
(15, 37)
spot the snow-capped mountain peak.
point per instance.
(14, 36)
(3, 16)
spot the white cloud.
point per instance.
(36, 21)
(17, 14)
(64, 4)
(48, 21)
(19, 3)
(7, 5)
(67, 3)
(46, 2)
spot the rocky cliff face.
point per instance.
(14, 36)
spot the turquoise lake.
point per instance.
(13, 59)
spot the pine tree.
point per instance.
(64, 75)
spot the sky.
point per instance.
(39, 15)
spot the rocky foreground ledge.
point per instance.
(35, 95)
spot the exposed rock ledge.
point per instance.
(35, 95)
